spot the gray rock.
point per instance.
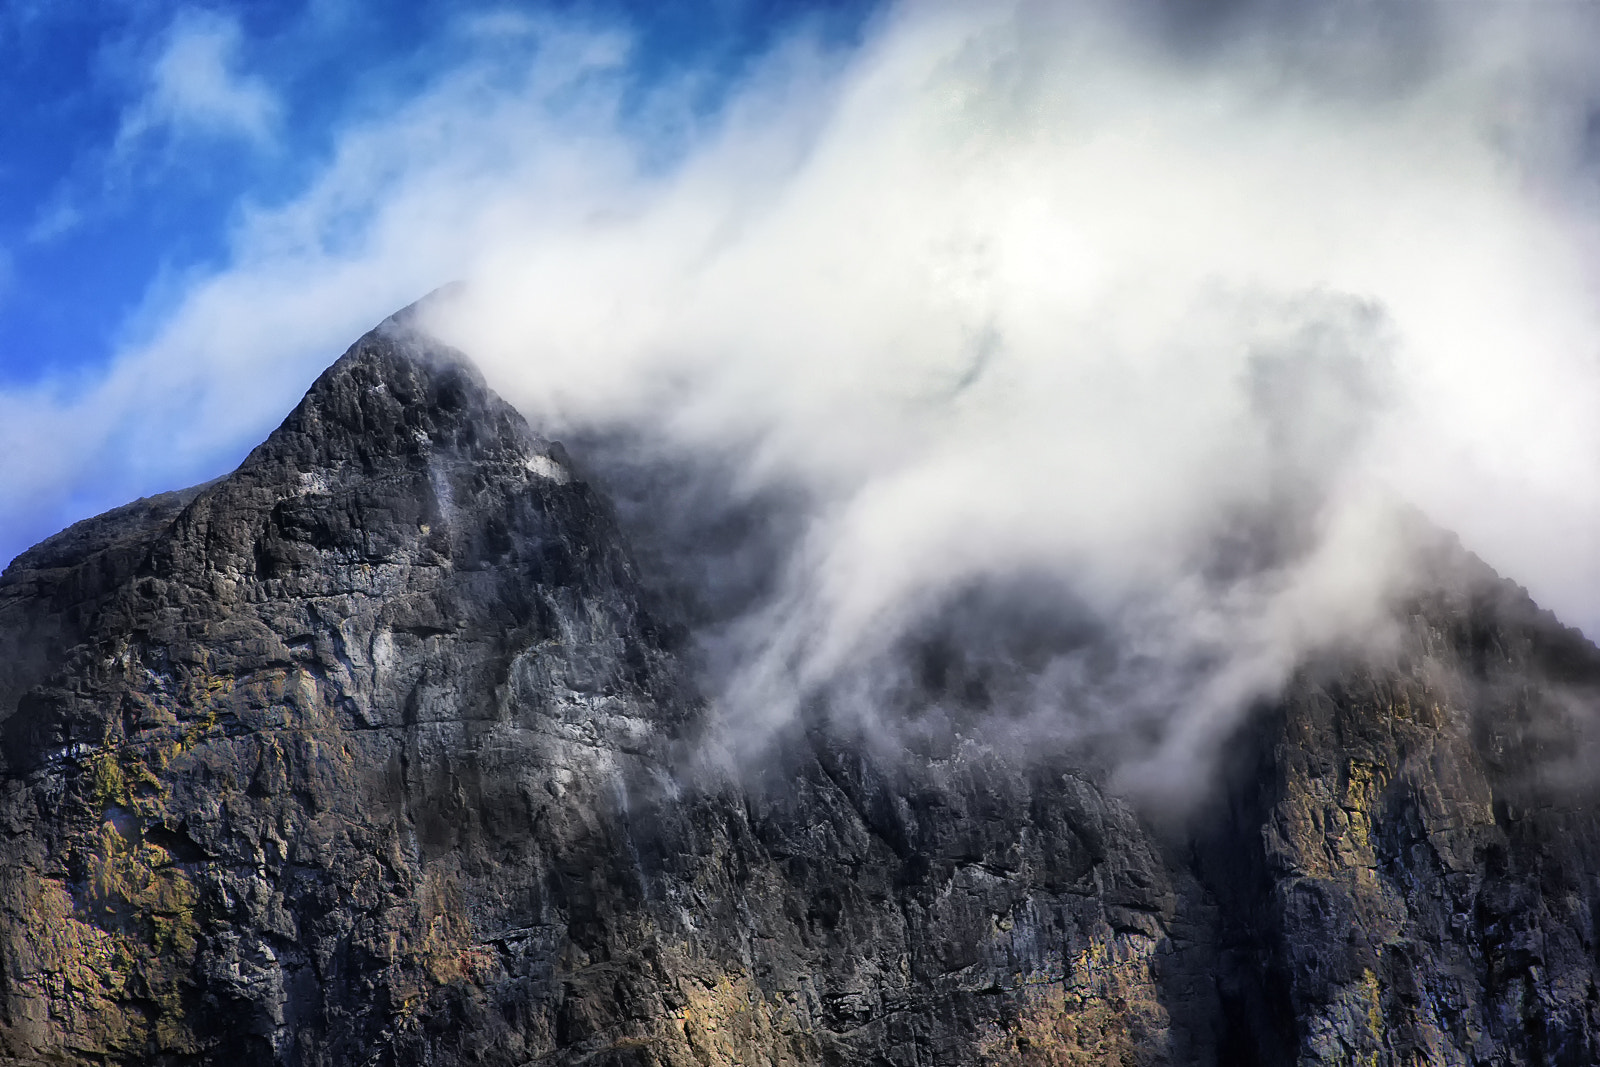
(372, 752)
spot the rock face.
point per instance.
(372, 753)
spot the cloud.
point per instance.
(399, 208)
(1067, 372)
(194, 87)
(8, 276)
(56, 217)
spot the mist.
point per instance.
(1033, 373)
(1075, 381)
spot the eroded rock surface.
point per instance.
(372, 753)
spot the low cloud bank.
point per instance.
(1159, 339)
(1084, 338)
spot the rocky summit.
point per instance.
(372, 752)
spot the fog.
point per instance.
(1035, 372)
(1052, 340)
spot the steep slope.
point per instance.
(282, 756)
(1426, 875)
(370, 753)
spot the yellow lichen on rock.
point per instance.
(118, 942)
(727, 1020)
(60, 958)
(1107, 1011)
(133, 886)
(1370, 989)
(446, 949)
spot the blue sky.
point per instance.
(141, 137)
(135, 132)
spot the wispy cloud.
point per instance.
(401, 206)
(58, 216)
(196, 87)
(1011, 294)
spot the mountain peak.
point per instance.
(399, 392)
(369, 752)
(399, 454)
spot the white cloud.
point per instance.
(59, 215)
(195, 87)
(1002, 293)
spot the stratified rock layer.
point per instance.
(370, 753)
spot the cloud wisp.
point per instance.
(1023, 328)
(1025, 297)
(194, 87)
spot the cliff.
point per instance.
(372, 752)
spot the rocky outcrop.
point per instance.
(1427, 880)
(374, 752)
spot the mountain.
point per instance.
(380, 750)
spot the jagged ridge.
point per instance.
(368, 753)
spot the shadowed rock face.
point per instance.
(371, 753)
